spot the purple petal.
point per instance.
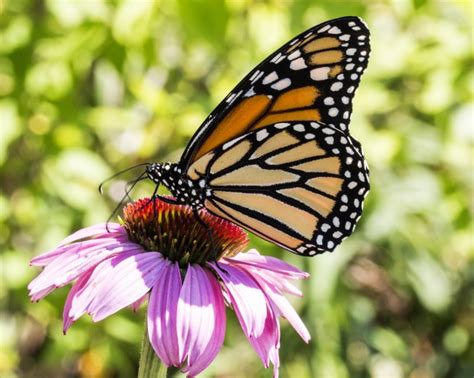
(81, 299)
(107, 239)
(71, 265)
(201, 319)
(283, 307)
(96, 230)
(268, 343)
(126, 282)
(253, 258)
(248, 300)
(162, 312)
(279, 282)
(77, 287)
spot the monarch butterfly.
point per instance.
(276, 156)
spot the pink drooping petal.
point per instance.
(85, 294)
(268, 343)
(114, 229)
(126, 282)
(281, 306)
(162, 312)
(248, 300)
(92, 244)
(278, 281)
(253, 258)
(77, 287)
(201, 320)
(69, 266)
(137, 304)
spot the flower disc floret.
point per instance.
(180, 234)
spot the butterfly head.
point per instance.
(170, 175)
(162, 173)
(154, 172)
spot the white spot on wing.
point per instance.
(298, 127)
(325, 227)
(276, 57)
(282, 84)
(294, 55)
(336, 86)
(261, 135)
(298, 64)
(328, 101)
(270, 78)
(321, 73)
(250, 92)
(230, 143)
(230, 98)
(328, 131)
(280, 59)
(324, 28)
(256, 76)
(351, 51)
(319, 239)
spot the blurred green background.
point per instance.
(91, 87)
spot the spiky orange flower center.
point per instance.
(176, 232)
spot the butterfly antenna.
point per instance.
(130, 184)
(101, 186)
(124, 198)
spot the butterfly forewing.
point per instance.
(297, 184)
(311, 78)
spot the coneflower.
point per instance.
(188, 273)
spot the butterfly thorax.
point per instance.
(184, 190)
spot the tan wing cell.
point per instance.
(281, 140)
(231, 156)
(253, 175)
(300, 221)
(321, 44)
(321, 204)
(303, 151)
(265, 230)
(329, 165)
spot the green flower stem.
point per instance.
(150, 366)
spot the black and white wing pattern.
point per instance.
(300, 185)
(311, 78)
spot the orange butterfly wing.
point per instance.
(276, 156)
(311, 78)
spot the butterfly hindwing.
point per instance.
(311, 78)
(297, 184)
